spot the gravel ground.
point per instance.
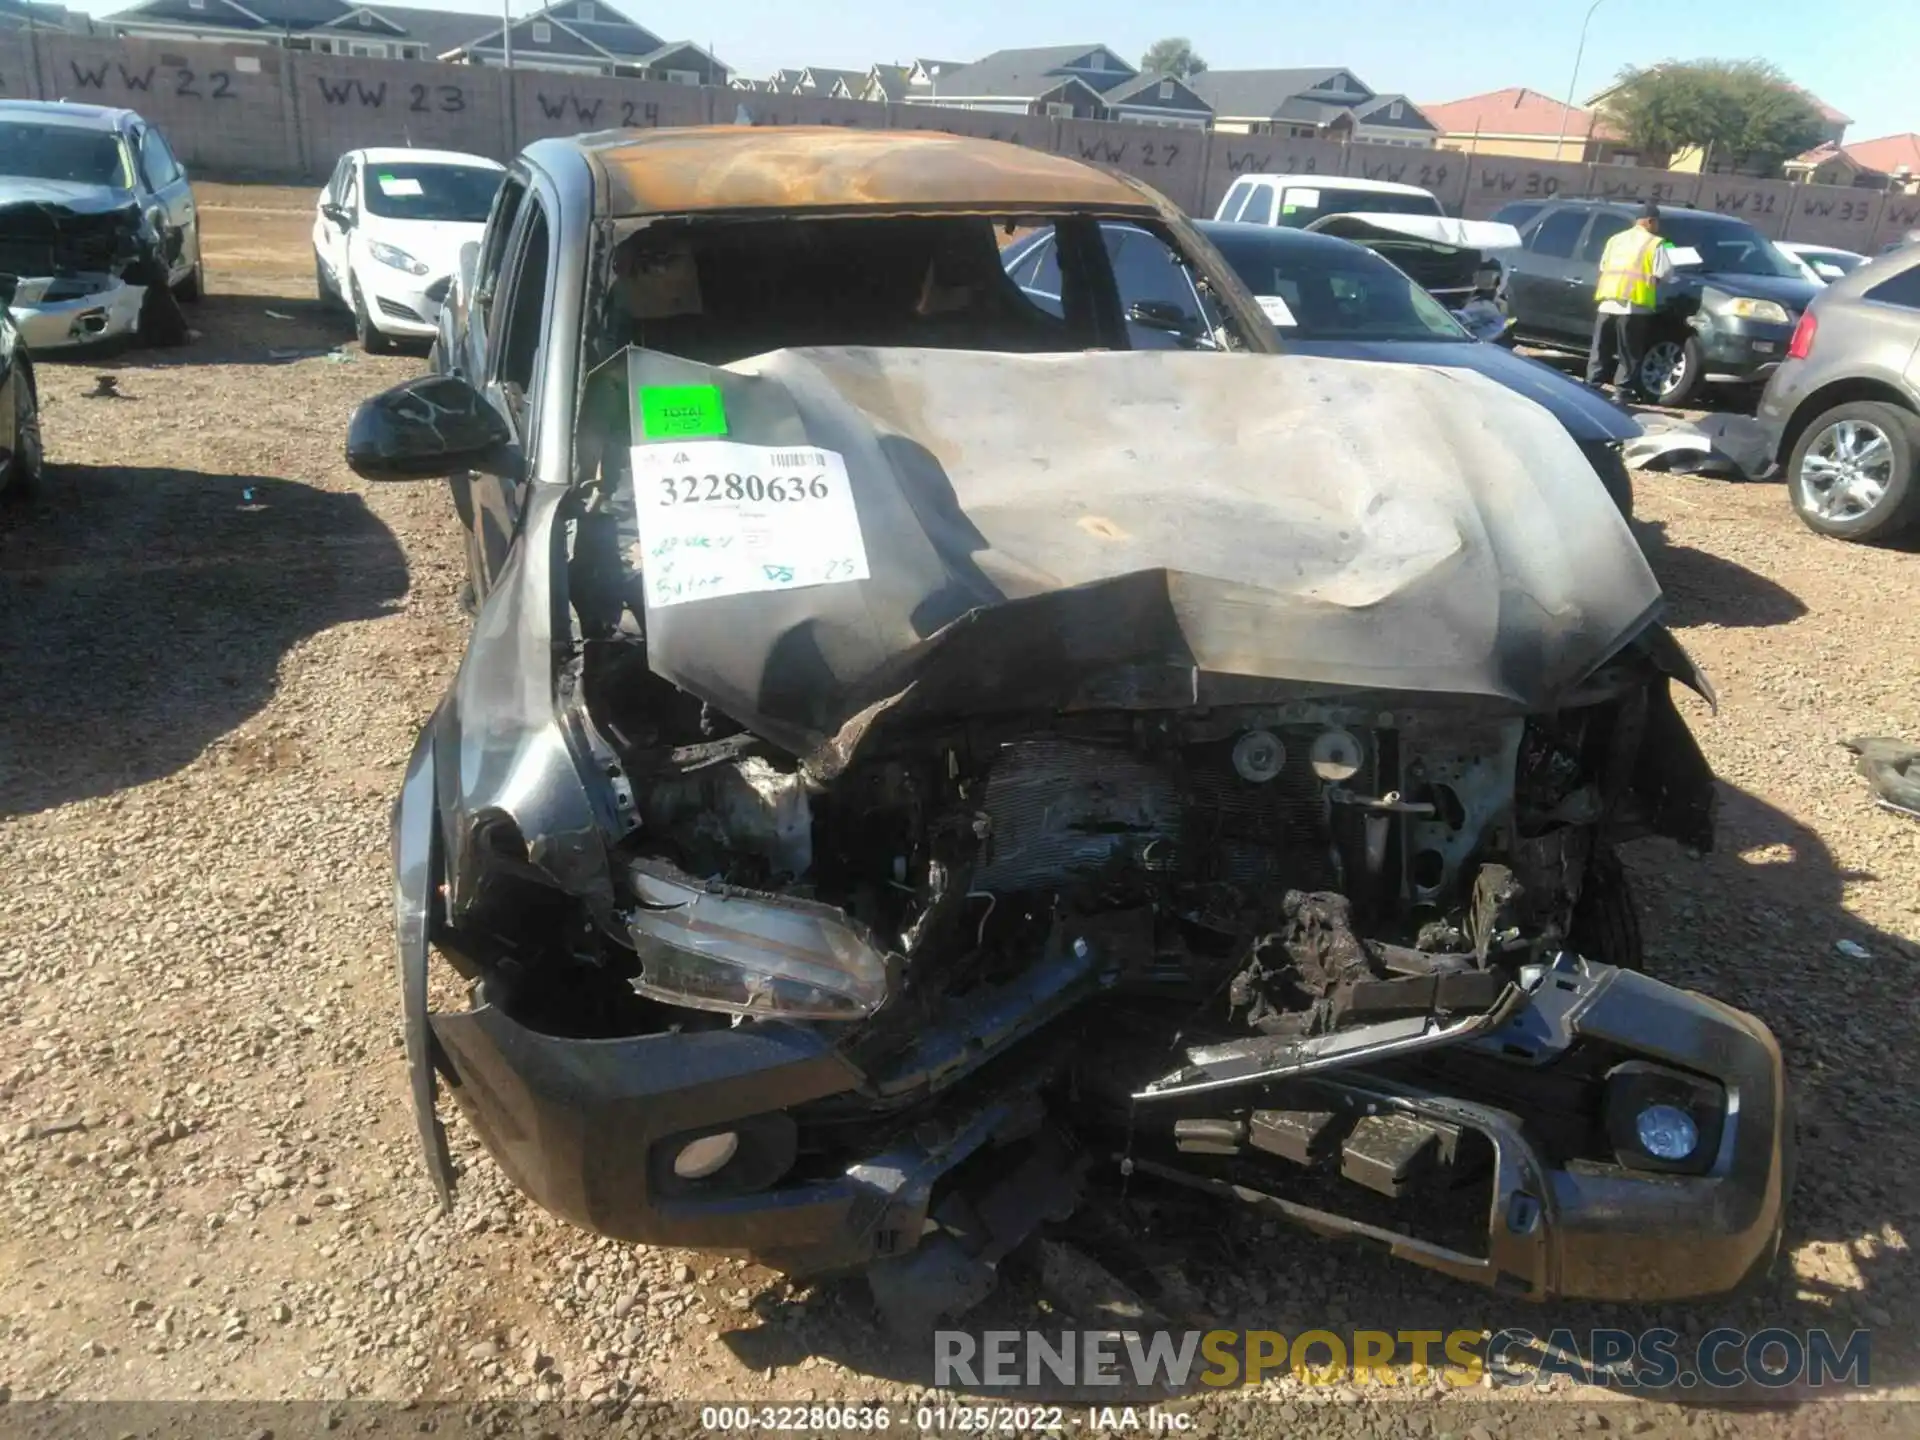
(218, 645)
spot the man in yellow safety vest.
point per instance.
(1631, 269)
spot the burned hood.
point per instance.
(1131, 530)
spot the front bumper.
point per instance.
(403, 304)
(105, 315)
(1738, 351)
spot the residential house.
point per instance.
(1068, 81)
(1890, 163)
(896, 83)
(1081, 82)
(384, 32)
(832, 84)
(1527, 125)
(781, 83)
(591, 37)
(1325, 104)
(19, 16)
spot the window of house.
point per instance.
(1060, 109)
(1558, 233)
(366, 19)
(1166, 89)
(683, 77)
(196, 4)
(583, 12)
(542, 33)
(1396, 110)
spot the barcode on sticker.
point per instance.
(798, 459)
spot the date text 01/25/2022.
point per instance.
(722, 518)
(946, 1419)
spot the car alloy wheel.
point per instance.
(1846, 471)
(22, 473)
(1663, 370)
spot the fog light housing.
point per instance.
(710, 1154)
(1666, 1132)
(1662, 1119)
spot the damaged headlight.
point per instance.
(749, 954)
(396, 257)
(1661, 1119)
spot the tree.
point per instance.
(1172, 56)
(1745, 110)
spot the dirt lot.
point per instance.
(217, 646)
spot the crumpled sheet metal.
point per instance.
(1725, 447)
(1892, 767)
(1037, 525)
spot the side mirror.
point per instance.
(1161, 315)
(430, 427)
(338, 214)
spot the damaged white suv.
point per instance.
(98, 226)
(914, 749)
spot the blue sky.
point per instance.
(1855, 54)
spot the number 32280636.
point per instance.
(707, 489)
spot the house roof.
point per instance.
(892, 80)
(20, 14)
(1151, 82)
(1027, 72)
(438, 30)
(1260, 93)
(1378, 103)
(833, 168)
(1514, 111)
(608, 34)
(825, 79)
(1885, 155)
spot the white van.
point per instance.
(1296, 201)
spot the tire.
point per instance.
(1851, 474)
(371, 339)
(1606, 924)
(1673, 369)
(27, 467)
(191, 290)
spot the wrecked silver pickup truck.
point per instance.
(913, 753)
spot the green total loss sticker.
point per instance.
(681, 412)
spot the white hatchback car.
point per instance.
(387, 234)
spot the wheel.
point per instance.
(371, 339)
(1851, 473)
(23, 472)
(1672, 370)
(1606, 926)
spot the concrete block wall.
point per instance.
(252, 112)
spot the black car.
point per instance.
(1332, 297)
(1725, 317)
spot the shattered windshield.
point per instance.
(33, 151)
(1726, 247)
(1333, 292)
(461, 194)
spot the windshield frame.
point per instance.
(372, 172)
(28, 126)
(1440, 326)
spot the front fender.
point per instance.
(416, 882)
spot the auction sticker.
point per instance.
(721, 518)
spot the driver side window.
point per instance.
(493, 244)
(524, 312)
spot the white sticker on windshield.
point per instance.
(1276, 310)
(720, 518)
(398, 185)
(1301, 199)
(1683, 255)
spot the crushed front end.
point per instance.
(83, 272)
(852, 926)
